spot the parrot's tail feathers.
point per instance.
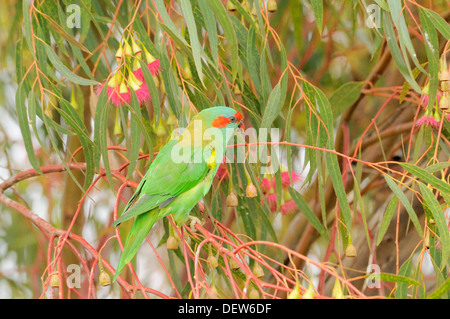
(140, 229)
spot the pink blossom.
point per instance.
(288, 207)
(143, 94)
(120, 93)
(426, 99)
(266, 185)
(286, 178)
(154, 68)
(269, 184)
(428, 120)
(115, 95)
(272, 199)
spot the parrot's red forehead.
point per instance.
(222, 121)
(238, 116)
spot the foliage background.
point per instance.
(346, 96)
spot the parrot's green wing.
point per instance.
(165, 180)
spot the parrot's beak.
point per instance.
(242, 126)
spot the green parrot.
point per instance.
(179, 176)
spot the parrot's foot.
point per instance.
(192, 220)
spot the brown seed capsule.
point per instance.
(272, 6)
(426, 241)
(54, 281)
(230, 6)
(258, 271)
(444, 103)
(253, 294)
(104, 278)
(172, 243)
(251, 191)
(350, 251)
(212, 261)
(232, 200)
(445, 86)
(444, 74)
(233, 264)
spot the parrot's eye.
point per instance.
(232, 119)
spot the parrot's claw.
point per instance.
(192, 220)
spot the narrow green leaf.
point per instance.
(427, 177)
(58, 29)
(338, 185)
(345, 96)
(432, 49)
(171, 88)
(27, 24)
(439, 22)
(143, 36)
(382, 4)
(24, 126)
(326, 115)
(437, 167)
(135, 136)
(64, 70)
(307, 211)
(253, 60)
(442, 289)
(387, 217)
(405, 202)
(396, 8)
(402, 288)
(186, 9)
(273, 107)
(403, 67)
(72, 118)
(397, 279)
(33, 110)
(438, 216)
(79, 57)
(52, 129)
(211, 28)
(100, 133)
(167, 21)
(222, 16)
(317, 6)
(285, 77)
